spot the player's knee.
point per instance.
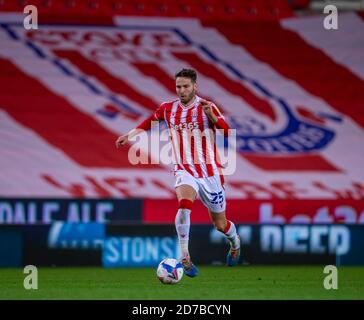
(185, 204)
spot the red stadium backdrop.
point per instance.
(293, 90)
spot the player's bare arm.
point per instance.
(123, 139)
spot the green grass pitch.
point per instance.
(214, 282)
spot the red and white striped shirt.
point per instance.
(192, 136)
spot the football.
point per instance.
(170, 271)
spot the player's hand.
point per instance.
(207, 107)
(121, 141)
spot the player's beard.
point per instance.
(189, 98)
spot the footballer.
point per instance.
(192, 123)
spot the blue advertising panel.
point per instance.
(138, 251)
(137, 245)
(10, 247)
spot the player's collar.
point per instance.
(194, 103)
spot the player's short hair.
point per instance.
(187, 73)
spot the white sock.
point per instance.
(231, 234)
(182, 223)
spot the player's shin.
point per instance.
(182, 223)
(231, 234)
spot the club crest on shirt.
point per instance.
(194, 112)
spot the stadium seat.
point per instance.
(204, 9)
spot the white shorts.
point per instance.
(210, 189)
